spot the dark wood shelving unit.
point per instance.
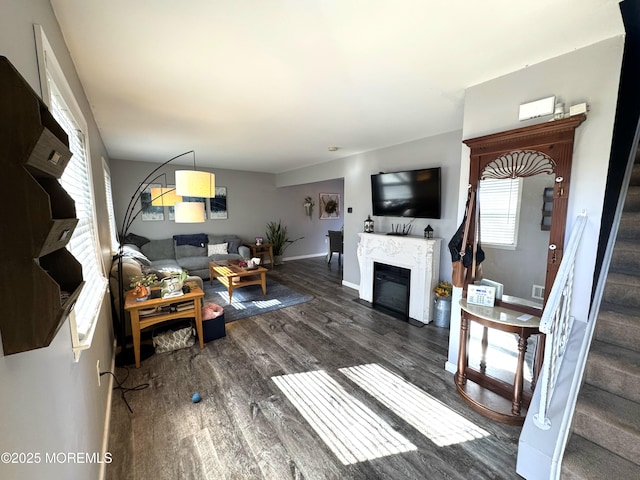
(41, 279)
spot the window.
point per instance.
(499, 211)
(77, 181)
(113, 229)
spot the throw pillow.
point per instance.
(233, 245)
(220, 248)
(131, 251)
(137, 240)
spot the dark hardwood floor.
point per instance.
(408, 422)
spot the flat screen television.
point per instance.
(414, 193)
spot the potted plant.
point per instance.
(141, 285)
(279, 240)
(174, 282)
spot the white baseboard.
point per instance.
(450, 367)
(302, 257)
(107, 417)
(351, 285)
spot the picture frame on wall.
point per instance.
(329, 206)
(171, 212)
(218, 205)
(149, 213)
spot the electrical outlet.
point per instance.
(98, 371)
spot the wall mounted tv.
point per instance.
(414, 193)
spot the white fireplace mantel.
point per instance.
(420, 255)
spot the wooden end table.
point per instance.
(261, 251)
(233, 276)
(138, 322)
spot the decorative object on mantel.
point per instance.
(368, 225)
(329, 206)
(428, 232)
(204, 186)
(277, 236)
(406, 229)
(442, 308)
(308, 206)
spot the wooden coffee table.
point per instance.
(233, 276)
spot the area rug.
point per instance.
(249, 301)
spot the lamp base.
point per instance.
(126, 356)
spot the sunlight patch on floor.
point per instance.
(432, 418)
(238, 305)
(267, 303)
(350, 429)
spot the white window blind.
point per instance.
(499, 211)
(113, 229)
(76, 180)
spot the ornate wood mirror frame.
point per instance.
(524, 152)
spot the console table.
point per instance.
(139, 322)
(490, 396)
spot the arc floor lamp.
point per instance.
(190, 183)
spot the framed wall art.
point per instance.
(218, 205)
(329, 206)
(171, 210)
(148, 212)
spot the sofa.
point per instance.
(181, 252)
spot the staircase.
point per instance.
(605, 442)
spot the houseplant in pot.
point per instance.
(277, 236)
(142, 284)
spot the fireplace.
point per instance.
(391, 286)
(421, 256)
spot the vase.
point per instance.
(141, 293)
(442, 312)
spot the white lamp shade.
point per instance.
(189, 212)
(164, 197)
(192, 183)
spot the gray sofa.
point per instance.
(165, 256)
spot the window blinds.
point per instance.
(499, 210)
(76, 180)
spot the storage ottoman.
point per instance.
(213, 322)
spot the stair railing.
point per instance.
(556, 323)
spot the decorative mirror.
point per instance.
(509, 174)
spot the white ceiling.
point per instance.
(269, 85)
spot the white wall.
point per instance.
(438, 151)
(591, 75)
(48, 403)
(313, 228)
(252, 201)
